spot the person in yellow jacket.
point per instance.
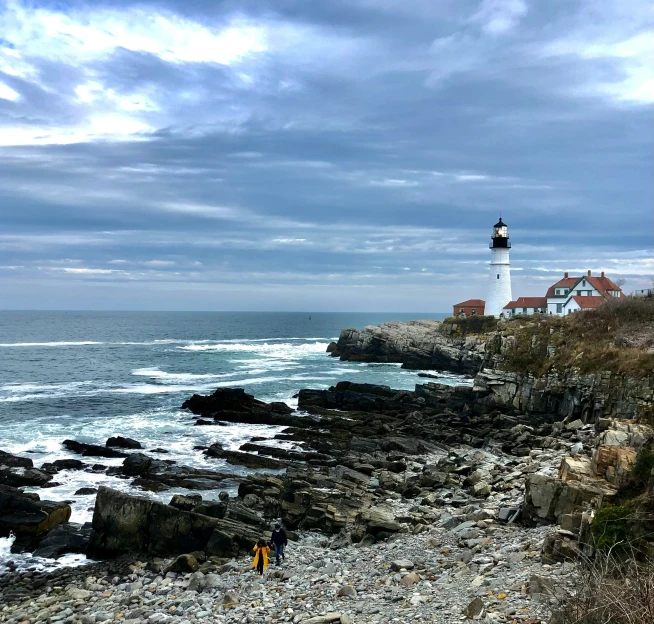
(260, 561)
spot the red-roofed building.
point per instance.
(569, 294)
(526, 305)
(577, 303)
(471, 307)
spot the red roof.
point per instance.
(566, 282)
(527, 302)
(589, 303)
(471, 303)
(603, 284)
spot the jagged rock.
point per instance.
(68, 464)
(14, 461)
(548, 498)
(134, 524)
(416, 344)
(91, 450)
(235, 405)
(64, 539)
(185, 502)
(24, 514)
(24, 477)
(125, 443)
(243, 459)
(213, 509)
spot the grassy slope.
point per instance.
(616, 337)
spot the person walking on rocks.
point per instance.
(260, 562)
(279, 542)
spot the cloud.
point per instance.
(208, 152)
(497, 17)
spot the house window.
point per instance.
(558, 291)
(498, 276)
(579, 293)
(474, 310)
(524, 310)
(461, 311)
(559, 308)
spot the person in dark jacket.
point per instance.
(279, 542)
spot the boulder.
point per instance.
(235, 405)
(24, 514)
(548, 498)
(14, 461)
(184, 564)
(185, 502)
(133, 524)
(24, 477)
(121, 442)
(64, 539)
(91, 450)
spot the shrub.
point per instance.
(473, 324)
(643, 466)
(610, 527)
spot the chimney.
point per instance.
(602, 273)
(565, 274)
(589, 274)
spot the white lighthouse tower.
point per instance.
(499, 292)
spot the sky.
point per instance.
(331, 155)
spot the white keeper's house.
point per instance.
(570, 294)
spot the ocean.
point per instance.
(91, 375)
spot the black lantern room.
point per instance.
(500, 237)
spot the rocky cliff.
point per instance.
(550, 366)
(416, 345)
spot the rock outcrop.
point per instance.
(235, 405)
(416, 345)
(132, 524)
(568, 395)
(25, 515)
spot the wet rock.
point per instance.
(124, 443)
(14, 461)
(85, 491)
(25, 515)
(92, 450)
(243, 459)
(64, 539)
(24, 477)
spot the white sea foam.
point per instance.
(155, 373)
(282, 350)
(81, 343)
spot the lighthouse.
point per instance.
(499, 291)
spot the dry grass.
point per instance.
(618, 337)
(611, 590)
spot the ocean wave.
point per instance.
(81, 343)
(224, 344)
(73, 390)
(280, 350)
(155, 373)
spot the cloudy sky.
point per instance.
(319, 155)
